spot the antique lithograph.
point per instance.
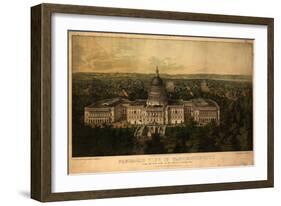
(151, 102)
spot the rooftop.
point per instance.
(106, 103)
(138, 102)
(200, 102)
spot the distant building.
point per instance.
(170, 86)
(157, 109)
(204, 86)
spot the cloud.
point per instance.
(115, 54)
(165, 64)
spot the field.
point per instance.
(233, 93)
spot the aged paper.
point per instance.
(160, 162)
(216, 68)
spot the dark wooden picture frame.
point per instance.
(41, 117)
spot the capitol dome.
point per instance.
(157, 94)
(156, 81)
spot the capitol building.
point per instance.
(156, 110)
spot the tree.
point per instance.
(155, 146)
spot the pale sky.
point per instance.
(100, 52)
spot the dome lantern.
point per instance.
(157, 71)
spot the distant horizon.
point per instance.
(159, 73)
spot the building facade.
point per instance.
(157, 109)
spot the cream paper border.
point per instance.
(107, 164)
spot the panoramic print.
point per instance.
(149, 102)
